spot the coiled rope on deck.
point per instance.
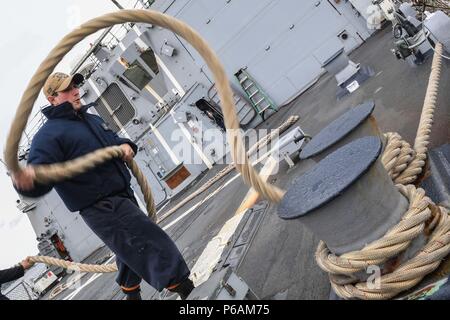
(422, 215)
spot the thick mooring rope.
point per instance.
(81, 267)
(48, 174)
(422, 215)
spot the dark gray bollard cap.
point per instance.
(330, 177)
(338, 129)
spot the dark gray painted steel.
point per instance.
(329, 178)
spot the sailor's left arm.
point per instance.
(129, 147)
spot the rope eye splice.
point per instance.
(379, 219)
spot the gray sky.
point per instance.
(29, 30)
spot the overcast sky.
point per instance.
(29, 30)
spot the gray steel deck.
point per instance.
(279, 263)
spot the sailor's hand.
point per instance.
(27, 263)
(24, 179)
(128, 152)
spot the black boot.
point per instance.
(133, 295)
(184, 288)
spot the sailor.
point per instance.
(14, 273)
(103, 195)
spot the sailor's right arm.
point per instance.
(44, 150)
(24, 184)
(24, 179)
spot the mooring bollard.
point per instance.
(347, 199)
(356, 123)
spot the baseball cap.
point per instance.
(59, 81)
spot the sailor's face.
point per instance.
(71, 94)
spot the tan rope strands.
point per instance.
(145, 188)
(391, 244)
(397, 155)
(103, 268)
(47, 174)
(422, 213)
(51, 173)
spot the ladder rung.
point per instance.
(249, 86)
(261, 100)
(243, 79)
(237, 100)
(253, 94)
(264, 109)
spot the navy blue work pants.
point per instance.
(143, 250)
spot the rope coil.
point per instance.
(422, 215)
(404, 277)
(81, 267)
(396, 240)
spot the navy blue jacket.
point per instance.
(68, 134)
(8, 275)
